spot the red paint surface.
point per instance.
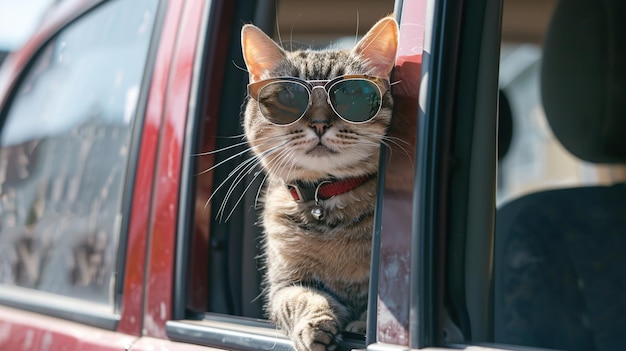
(161, 248)
(395, 250)
(147, 293)
(21, 330)
(152, 344)
(134, 275)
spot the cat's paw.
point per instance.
(318, 334)
(357, 327)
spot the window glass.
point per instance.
(536, 160)
(64, 154)
(560, 218)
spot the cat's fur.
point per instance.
(318, 271)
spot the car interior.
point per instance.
(559, 252)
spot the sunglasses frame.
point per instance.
(381, 83)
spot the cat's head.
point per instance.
(294, 125)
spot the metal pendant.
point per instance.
(317, 212)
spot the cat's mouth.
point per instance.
(320, 150)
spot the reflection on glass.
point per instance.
(64, 154)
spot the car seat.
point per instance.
(560, 255)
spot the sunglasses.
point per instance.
(354, 98)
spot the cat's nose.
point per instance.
(319, 126)
(319, 113)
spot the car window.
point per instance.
(226, 196)
(560, 214)
(236, 279)
(536, 160)
(65, 150)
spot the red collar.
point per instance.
(305, 191)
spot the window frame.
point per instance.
(106, 316)
(468, 217)
(454, 197)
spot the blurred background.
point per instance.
(18, 20)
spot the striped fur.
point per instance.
(318, 271)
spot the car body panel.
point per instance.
(159, 292)
(395, 255)
(132, 306)
(21, 330)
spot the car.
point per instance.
(124, 227)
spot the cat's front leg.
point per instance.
(312, 319)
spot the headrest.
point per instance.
(505, 125)
(583, 78)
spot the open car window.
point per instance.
(226, 202)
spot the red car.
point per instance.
(121, 229)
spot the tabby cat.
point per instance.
(315, 120)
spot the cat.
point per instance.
(322, 175)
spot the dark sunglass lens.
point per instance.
(356, 100)
(283, 102)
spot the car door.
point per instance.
(72, 113)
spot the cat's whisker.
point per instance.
(281, 154)
(397, 139)
(243, 194)
(287, 155)
(240, 136)
(241, 175)
(252, 148)
(293, 165)
(239, 67)
(251, 159)
(291, 33)
(280, 40)
(278, 161)
(356, 36)
(219, 150)
(388, 141)
(236, 176)
(258, 193)
(251, 164)
(224, 161)
(396, 142)
(215, 191)
(286, 158)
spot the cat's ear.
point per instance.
(378, 46)
(260, 52)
